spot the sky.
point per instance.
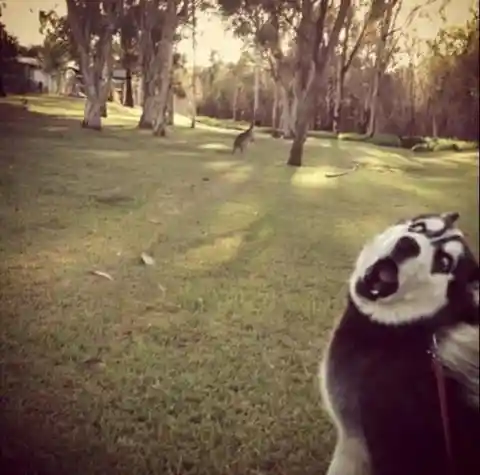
(21, 19)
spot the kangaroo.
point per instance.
(243, 139)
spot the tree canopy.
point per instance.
(345, 66)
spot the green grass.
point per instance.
(206, 362)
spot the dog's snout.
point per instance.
(406, 248)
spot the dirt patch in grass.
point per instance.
(204, 363)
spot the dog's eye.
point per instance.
(418, 228)
(444, 262)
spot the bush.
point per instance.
(410, 141)
(464, 146)
(421, 147)
(431, 144)
(385, 140)
(382, 140)
(444, 147)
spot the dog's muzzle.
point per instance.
(381, 279)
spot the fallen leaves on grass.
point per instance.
(342, 173)
(100, 273)
(147, 259)
(94, 363)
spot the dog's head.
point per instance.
(411, 270)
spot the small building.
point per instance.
(24, 75)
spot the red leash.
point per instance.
(442, 398)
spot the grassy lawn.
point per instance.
(204, 363)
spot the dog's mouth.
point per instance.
(380, 280)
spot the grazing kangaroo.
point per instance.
(243, 139)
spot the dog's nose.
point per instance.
(406, 248)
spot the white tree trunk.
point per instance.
(234, 103)
(92, 116)
(338, 100)
(372, 103)
(275, 107)
(159, 125)
(311, 67)
(381, 60)
(434, 125)
(96, 90)
(302, 108)
(194, 65)
(289, 112)
(256, 85)
(163, 63)
(148, 101)
(170, 112)
(96, 61)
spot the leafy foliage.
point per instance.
(9, 46)
(446, 76)
(451, 78)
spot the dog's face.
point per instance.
(405, 273)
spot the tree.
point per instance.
(314, 28)
(57, 47)
(247, 17)
(420, 85)
(350, 45)
(264, 25)
(9, 49)
(93, 24)
(129, 37)
(384, 45)
(450, 81)
(159, 21)
(314, 48)
(237, 79)
(194, 64)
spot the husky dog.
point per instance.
(243, 139)
(414, 289)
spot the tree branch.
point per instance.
(319, 28)
(184, 10)
(337, 27)
(73, 17)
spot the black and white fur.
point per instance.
(415, 280)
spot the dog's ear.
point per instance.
(450, 218)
